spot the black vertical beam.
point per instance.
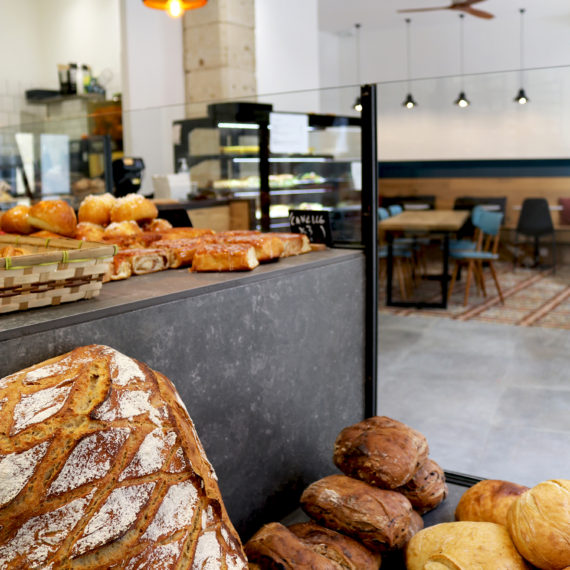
(370, 242)
(264, 197)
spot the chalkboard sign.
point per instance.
(315, 224)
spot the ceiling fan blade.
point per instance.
(423, 9)
(475, 12)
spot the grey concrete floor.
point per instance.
(493, 400)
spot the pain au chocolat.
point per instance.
(100, 467)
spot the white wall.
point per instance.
(287, 52)
(153, 85)
(36, 35)
(494, 126)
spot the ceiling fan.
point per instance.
(460, 6)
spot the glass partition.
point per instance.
(282, 152)
(483, 377)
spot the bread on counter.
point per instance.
(15, 220)
(427, 488)
(346, 552)
(379, 519)
(133, 207)
(55, 216)
(463, 546)
(488, 501)
(293, 244)
(539, 524)
(224, 257)
(96, 208)
(100, 467)
(381, 451)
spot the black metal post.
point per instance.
(264, 196)
(370, 242)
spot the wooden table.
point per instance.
(443, 222)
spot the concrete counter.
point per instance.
(270, 363)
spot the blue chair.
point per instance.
(469, 244)
(488, 227)
(395, 209)
(383, 214)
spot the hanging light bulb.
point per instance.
(357, 106)
(462, 101)
(175, 8)
(409, 102)
(521, 97)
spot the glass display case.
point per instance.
(283, 160)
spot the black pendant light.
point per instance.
(409, 102)
(521, 97)
(357, 103)
(462, 100)
(175, 8)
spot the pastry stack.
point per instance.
(371, 509)
(500, 525)
(146, 243)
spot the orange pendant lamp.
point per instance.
(175, 8)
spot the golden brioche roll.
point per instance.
(157, 225)
(463, 546)
(539, 524)
(88, 231)
(133, 207)
(122, 229)
(55, 216)
(488, 501)
(96, 208)
(15, 220)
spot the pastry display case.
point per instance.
(282, 160)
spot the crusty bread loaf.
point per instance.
(539, 524)
(55, 216)
(275, 547)
(100, 467)
(267, 247)
(380, 519)
(463, 546)
(346, 552)
(488, 501)
(427, 488)
(381, 451)
(293, 244)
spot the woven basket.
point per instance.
(59, 271)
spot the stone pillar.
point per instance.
(219, 53)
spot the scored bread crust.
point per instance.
(101, 467)
(380, 519)
(427, 488)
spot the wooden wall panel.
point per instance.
(515, 189)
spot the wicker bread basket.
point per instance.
(58, 271)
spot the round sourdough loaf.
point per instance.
(381, 451)
(427, 488)
(488, 501)
(100, 467)
(463, 546)
(346, 552)
(539, 524)
(382, 520)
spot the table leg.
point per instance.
(445, 274)
(389, 267)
